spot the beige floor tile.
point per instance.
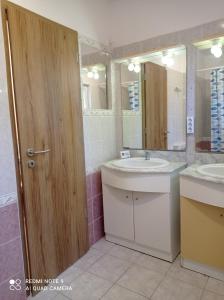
(88, 259)
(70, 274)
(103, 245)
(152, 263)
(120, 293)
(60, 297)
(88, 287)
(211, 296)
(216, 286)
(140, 280)
(173, 289)
(109, 267)
(124, 253)
(45, 295)
(191, 277)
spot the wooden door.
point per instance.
(154, 106)
(44, 88)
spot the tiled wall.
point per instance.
(11, 260)
(95, 207)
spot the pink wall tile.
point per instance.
(89, 186)
(90, 210)
(9, 223)
(11, 260)
(98, 229)
(7, 294)
(96, 183)
(91, 234)
(97, 206)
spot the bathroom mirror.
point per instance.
(209, 127)
(153, 100)
(95, 65)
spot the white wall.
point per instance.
(88, 17)
(136, 20)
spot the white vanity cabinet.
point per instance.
(118, 212)
(152, 220)
(141, 211)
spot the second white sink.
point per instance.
(140, 163)
(212, 170)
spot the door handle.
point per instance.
(30, 152)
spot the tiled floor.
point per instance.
(112, 272)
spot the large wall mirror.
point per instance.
(153, 97)
(95, 67)
(209, 128)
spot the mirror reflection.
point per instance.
(153, 98)
(94, 75)
(209, 129)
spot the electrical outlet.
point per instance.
(190, 125)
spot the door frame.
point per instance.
(15, 138)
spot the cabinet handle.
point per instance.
(127, 197)
(136, 198)
(221, 215)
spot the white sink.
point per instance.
(140, 163)
(212, 170)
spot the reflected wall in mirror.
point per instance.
(94, 74)
(153, 97)
(209, 129)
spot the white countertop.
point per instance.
(171, 167)
(191, 171)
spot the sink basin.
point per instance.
(212, 170)
(140, 163)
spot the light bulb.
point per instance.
(137, 68)
(216, 50)
(90, 74)
(167, 60)
(131, 67)
(96, 75)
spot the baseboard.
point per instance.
(201, 268)
(133, 245)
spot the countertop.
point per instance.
(173, 166)
(191, 171)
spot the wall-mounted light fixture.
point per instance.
(134, 67)
(167, 59)
(216, 50)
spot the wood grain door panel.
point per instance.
(155, 106)
(47, 102)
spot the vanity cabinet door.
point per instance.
(202, 235)
(118, 212)
(152, 220)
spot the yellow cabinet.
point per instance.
(202, 233)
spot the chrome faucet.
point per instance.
(147, 155)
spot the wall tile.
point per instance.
(7, 294)
(90, 210)
(98, 228)
(96, 183)
(9, 223)
(91, 234)
(97, 206)
(11, 260)
(89, 186)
